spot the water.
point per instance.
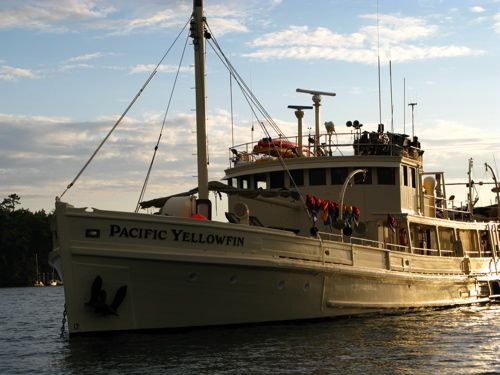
(463, 340)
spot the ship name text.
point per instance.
(178, 235)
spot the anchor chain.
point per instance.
(63, 322)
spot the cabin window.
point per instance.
(425, 240)
(469, 242)
(298, 177)
(363, 178)
(413, 172)
(260, 181)
(386, 176)
(277, 179)
(485, 243)
(405, 175)
(233, 182)
(339, 175)
(317, 176)
(245, 182)
(446, 240)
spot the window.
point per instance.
(317, 176)
(233, 182)
(244, 182)
(413, 177)
(260, 181)
(363, 179)
(339, 175)
(405, 175)
(298, 177)
(386, 176)
(277, 179)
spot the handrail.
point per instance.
(353, 143)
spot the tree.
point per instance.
(22, 234)
(10, 202)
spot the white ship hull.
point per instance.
(187, 273)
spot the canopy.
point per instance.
(223, 188)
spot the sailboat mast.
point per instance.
(197, 33)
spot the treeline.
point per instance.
(23, 235)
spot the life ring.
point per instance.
(403, 237)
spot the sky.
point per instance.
(69, 69)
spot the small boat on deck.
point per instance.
(352, 226)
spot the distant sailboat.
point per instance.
(54, 281)
(38, 282)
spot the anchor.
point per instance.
(98, 298)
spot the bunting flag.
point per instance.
(329, 212)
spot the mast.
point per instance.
(470, 205)
(197, 33)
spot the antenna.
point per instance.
(317, 102)
(404, 105)
(299, 114)
(392, 105)
(378, 59)
(412, 118)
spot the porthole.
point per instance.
(193, 276)
(307, 286)
(233, 279)
(281, 284)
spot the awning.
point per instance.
(223, 188)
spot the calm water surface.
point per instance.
(462, 340)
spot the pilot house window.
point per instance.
(363, 178)
(405, 175)
(317, 176)
(386, 176)
(339, 175)
(260, 181)
(298, 177)
(277, 179)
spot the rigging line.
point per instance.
(232, 114)
(250, 97)
(146, 180)
(236, 74)
(244, 88)
(247, 93)
(125, 112)
(243, 91)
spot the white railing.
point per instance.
(335, 144)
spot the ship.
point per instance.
(335, 224)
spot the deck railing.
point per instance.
(396, 247)
(335, 144)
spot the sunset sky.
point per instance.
(69, 68)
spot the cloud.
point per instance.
(172, 17)
(398, 37)
(496, 25)
(164, 68)
(51, 150)
(62, 16)
(87, 57)
(49, 15)
(10, 73)
(477, 9)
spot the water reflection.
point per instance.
(463, 340)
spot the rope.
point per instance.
(251, 98)
(161, 130)
(125, 112)
(241, 82)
